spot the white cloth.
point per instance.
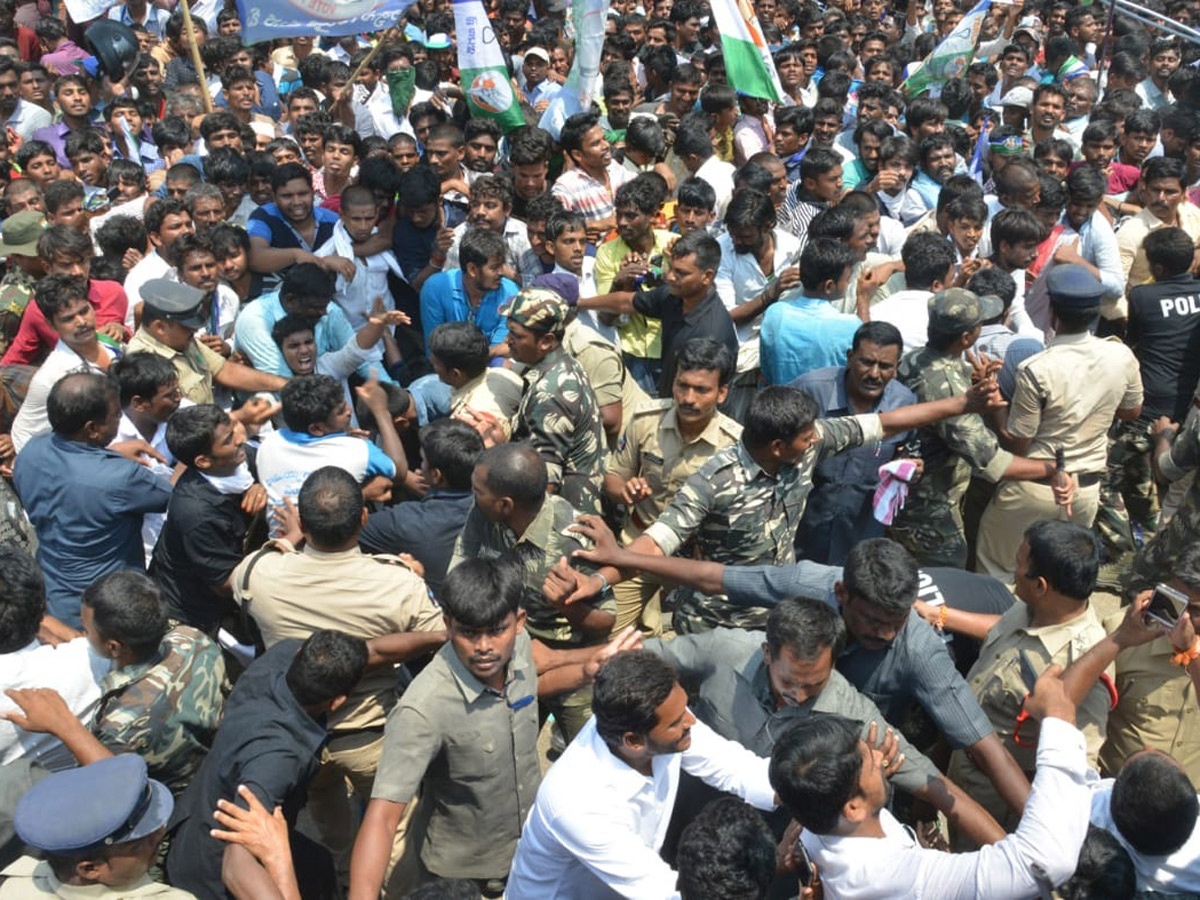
(908, 311)
(357, 297)
(892, 236)
(740, 279)
(1050, 834)
(149, 267)
(720, 176)
(1178, 873)
(27, 118)
(597, 824)
(32, 418)
(237, 483)
(152, 523)
(74, 671)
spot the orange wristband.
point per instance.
(943, 613)
(1186, 657)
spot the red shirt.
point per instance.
(28, 44)
(35, 338)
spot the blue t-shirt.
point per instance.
(443, 299)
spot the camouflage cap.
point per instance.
(19, 234)
(955, 310)
(538, 309)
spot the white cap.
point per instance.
(1018, 96)
(539, 52)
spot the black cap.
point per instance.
(175, 301)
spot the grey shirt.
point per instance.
(476, 752)
(731, 694)
(916, 668)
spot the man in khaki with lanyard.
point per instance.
(665, 442)
(1065, 400)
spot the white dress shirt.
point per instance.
(357, 297)
(740, 279)
(32, 418)
(27, 118)
(74, 671)
(597, 824)
(1177, 873)
(719, 174)
(1050, 835)
(149, 266)
(152, 523)
(909, 311)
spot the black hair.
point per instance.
(460, 345)
(191, 430)
(628, 690)
(837, 222)
(922, 110)
(227, 239)
(482, 593)
(573, 130)
(778, 413)
(84, 140)
(169, 133)
(307, 280)
(309, 400)
(330, 504)
(128, 170)
(1164, 167)
(287, 326)
(819, 161)
(700, 244)
(968, 207)
(452, 447)
(55, 293)
(705, 354)
(379, 174)
(157, 214)
(1154, 804)
(79, 398)
(882, 334)
(1171, 249)
(927, 257)
(824, 259)
(478, 245)
(994, 281)
(328, 665)
(529, 145)
(696, 193)
(22, 598)
(563, 221)
(750, 207)
(752, 177)
(1142, 121)
(127, 607)
(1086, 184)
(226, 166)
(902, 147)
(59, 193)
(815, 769)
(1105, 870)
(692, 139)
(419, 186)
(142, 374)
(806, 627)
(725, 852)
(1067, 555)
(1100, 130)
(288, 172)
(1016, 226)
(883, 574)
(515, 471)
(219, 121)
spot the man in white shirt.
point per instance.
(928, 268)
(694, 147)
(165, 221)
(69, 668)
(602, 812)
(835, 786)
(63, 301)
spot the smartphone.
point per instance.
(1166, 605)
(804, 869)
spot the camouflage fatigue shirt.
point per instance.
(734, 513)
(1155, 561)
(165, 710)
(559, 416)
(952, 447)
(538, 549)
(16, 290)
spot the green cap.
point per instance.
(956, 310)
(19, 234)
(538, 309)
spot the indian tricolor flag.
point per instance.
(748, 64)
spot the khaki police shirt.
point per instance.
(653, 448)
(1066, 396)
(1000, 688)
(31, 879)
(475, 752)
(1157, 708)
(497, 391)
(291, 594)
(602, 363)
(196, 367)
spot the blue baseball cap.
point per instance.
(1073, 287)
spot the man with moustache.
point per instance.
(937, 165)
(839, 512)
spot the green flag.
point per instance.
(402, 84)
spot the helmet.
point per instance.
(115, 45)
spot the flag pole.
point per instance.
(372, 53)
(190, 29)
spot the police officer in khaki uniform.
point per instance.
(665, 442)
(1065, 399)
(1056, 568)
(1156, 704)
(83, 821)
(330, 583)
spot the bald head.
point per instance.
(84, 406)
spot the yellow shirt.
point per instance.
(197, 366)
(640, 337)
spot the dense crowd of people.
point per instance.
(699, 495)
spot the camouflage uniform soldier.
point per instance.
(18, 243)
(558, 414)
(514, 517)
(930, 526)
(1176, 454)
(167, 708)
